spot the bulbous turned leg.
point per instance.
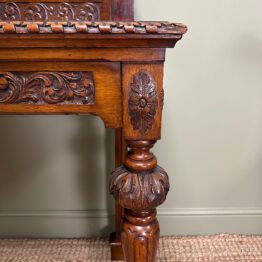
(140, 186)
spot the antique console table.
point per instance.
(62, 58)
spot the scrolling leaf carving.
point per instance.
(142, 103)
(47, 88)
(49, 11)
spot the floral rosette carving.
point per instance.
(10, 87)
(87, 12)
(142, 103)
(64, 11)
(35, 12)
(139, 191)
(10, 12)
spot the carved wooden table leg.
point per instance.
(140, 185)
(115, 237)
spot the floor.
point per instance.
(223, 247)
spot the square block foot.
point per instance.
(116, 248)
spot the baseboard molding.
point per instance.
(178, 221)
(56, 224)
(195, 221)
(210, 211)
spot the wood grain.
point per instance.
(125, 63)
(146, 121)
(115, 237)
(108, 97)
(111, 10)
(90, 27)
(105, 6)
(88, 41)
(75, 88)
(123, 10)
(41, 11)
(86, 54)
(140, 186)
(120, 154)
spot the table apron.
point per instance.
(57, 87)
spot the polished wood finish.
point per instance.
(142, 100)
(74, 34)
(87, 27)
(87, 54)
(107, 98)
(140, 236)
(57, 59)
(115, 237)
(123, 10)
(60, 10)
(45, 11)
(76, 88)
(120, 153)
(140, 186)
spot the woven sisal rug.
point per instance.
(222, 247)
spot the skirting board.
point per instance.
(71, 224)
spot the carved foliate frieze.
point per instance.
(49, 12)
(47, 88)
(143, 101)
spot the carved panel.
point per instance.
(47, 88)
(142, 103)
(49, 11)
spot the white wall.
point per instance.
(54, 170)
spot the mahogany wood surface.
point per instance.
(56, 58)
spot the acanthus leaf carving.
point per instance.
(47, 88)
(143, 101)
(139, 191)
